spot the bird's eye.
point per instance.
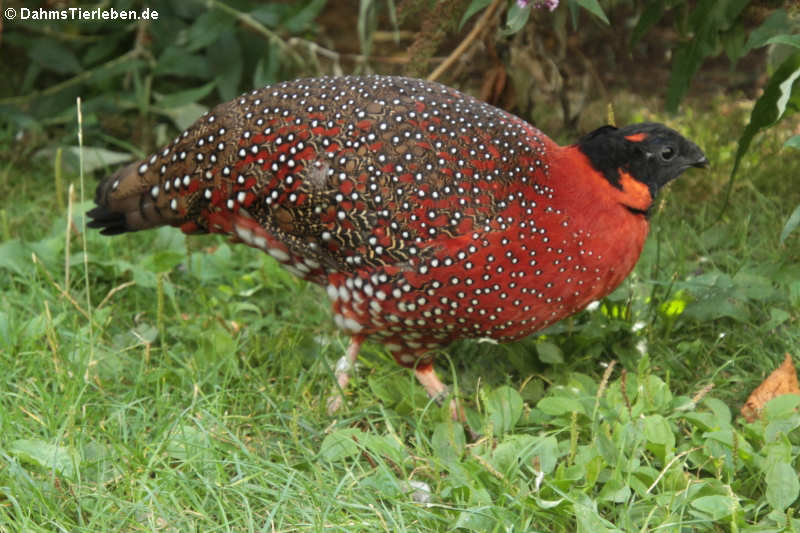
(667, 153)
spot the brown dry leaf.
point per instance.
(782, 381)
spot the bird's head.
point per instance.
(650, 153)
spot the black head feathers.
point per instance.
(650, 152)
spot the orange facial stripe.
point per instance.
(636, 137)
(635, 194)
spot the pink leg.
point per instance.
(437, 390)
(343, 368)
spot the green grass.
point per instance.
(193, 398)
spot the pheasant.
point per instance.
(427, 215)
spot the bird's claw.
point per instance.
(334, 403)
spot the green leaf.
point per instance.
(188, 443)
(547, 452)
(717, 297)
(789, 40)
(658, 431)
(51, 55)
(686, 61)
(781, 406)
(179, 62)
(207, 29)
(776, 450)
(791, 224)
(653, 11)
(793, 142)
(98, 463)
(389, 445)
(35, 327)
(716, 506)
(559, 405)
(733, 42)
(162, 260)
(515, 19)
(46, 455)
(702, 421)
(512, 452)
(778, 427)
(782, 486)
(381, 484)
(549, 353)
(181, 98)
(548, 504)
(215, 340)
(267, 68)
(185, 115)
(102, 49)
(478, 519)
(718, 307)
(794, 292)
(615, 490)
(340, 444)
(777, 317)
(303, 18)
(593, 7)
(776, 23)
(145, 333)
(448, 441)
(15, 256)
(225, 62)
(770, 107)
(474, 7)
(269, 15)
(750, 286)
(396, 392)
(707, 20)
(721, 411)
(589, 520)
(504, 406)
(96, 158)
(7, 339)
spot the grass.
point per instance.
(191, 396)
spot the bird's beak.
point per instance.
(701, 163)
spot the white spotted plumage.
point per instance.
(427, 214)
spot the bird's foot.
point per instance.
(334, 402)
(437, 390)
(344, 366)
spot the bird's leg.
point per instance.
(343, 368)
(437, 390)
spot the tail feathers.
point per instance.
(108, 222)
(127, 201)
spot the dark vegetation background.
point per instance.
(550, 69)
(154, 382)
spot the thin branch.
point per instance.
(61, 291)
(249, 21)
(79, 78)
(482, 23)
(669, 465)
(333, 55)
(113, 291)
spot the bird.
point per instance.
(427, 215)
